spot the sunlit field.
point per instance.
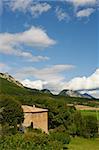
(90, 113)
(84, 144)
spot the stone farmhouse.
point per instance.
(35, 117)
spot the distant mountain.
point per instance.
(33, 90)
(10, 79)
(46, 91)
(12, 86)
(9, 89)
(72, 93)
(88, 96)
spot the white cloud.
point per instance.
(13, 43)
(31, 6)
(61, 15)
(38, 84)
(55, 87)
(21, 5)
(94, 93)
(49, 77)
(36, 37)
(52, 79)
(85, 12)
(39, 8)
(77, 3)
(50, 74)
(36, 8)
(84, 83)
(87, 7)
(30, 57)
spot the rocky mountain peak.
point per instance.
(71, 93)
(10, 79)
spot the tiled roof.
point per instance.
(30, 109)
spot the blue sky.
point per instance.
(46, 44)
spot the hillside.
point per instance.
(10, 88)
(30, 96)
(10, 79)
(60, 114)
(65, 92)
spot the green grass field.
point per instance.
(90, 113)
(84, 144)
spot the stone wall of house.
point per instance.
(39, 120)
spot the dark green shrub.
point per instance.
(62, 137)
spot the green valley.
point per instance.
(65, 122)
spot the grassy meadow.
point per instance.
(84, 144)
(90, 113)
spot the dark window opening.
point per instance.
(32, 124)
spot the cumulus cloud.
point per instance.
(85, 12)
(36, 8)
(13, 43)
(53, 79)
(61, 15)
(94, 93)
(49, 77)
(84, 8)
(55, 87)
(77, 3)
(49, 74)
(30, 6)
(84, 83)
(38, 84)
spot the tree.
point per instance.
(79, 123)
(85, 126)
(12, 113)
(91, 129)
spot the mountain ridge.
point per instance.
(10, 79)
(65, 92)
